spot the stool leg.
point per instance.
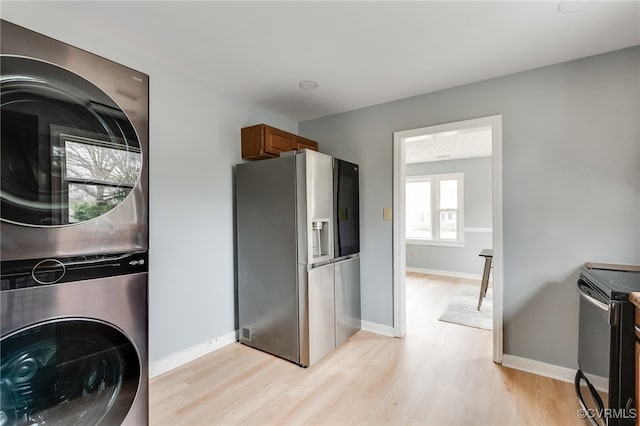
(485, 280)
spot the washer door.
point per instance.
(67, 372)
(69, 152)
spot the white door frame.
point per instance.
(399, 226)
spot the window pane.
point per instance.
(448, 225)
(102, 164)
(89, 201)
(449, 194)
(419, 210)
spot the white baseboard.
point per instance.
(563, 374)
(185, 356)
(373, 327)
(444, 273)
(177, 359)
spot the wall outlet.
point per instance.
(387, 213)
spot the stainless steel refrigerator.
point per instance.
(296, 299)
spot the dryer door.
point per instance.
(69, 371)
(69, 152)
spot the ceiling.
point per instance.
(454, 145)
(361, 53)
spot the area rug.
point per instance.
(463, 308)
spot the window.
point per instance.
(93, 175)
(435, 209)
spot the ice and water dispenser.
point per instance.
(320, 233)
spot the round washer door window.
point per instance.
(69, 152)
(67, 372)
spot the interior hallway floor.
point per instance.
(439, 374)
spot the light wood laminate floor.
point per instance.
(439, 374)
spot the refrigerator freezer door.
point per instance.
(347, 283)
(315, 207)
(266, 256)
(321, 302)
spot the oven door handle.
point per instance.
(598, 304)
(589, 414)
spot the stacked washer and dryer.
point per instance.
(74, 235)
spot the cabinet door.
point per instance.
(302, 143)
(278, 141)
(252, 140)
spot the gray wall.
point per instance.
(194, 141)
(570, 134)
(571, 186)
(477, 214)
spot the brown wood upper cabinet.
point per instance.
(262, 141)
(302, 143)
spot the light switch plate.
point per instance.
(387, 213)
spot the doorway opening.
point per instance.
(433, 167)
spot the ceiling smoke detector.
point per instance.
(308, 85)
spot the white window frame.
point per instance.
(435, 210)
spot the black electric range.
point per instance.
(614, 284)
(606, 350)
